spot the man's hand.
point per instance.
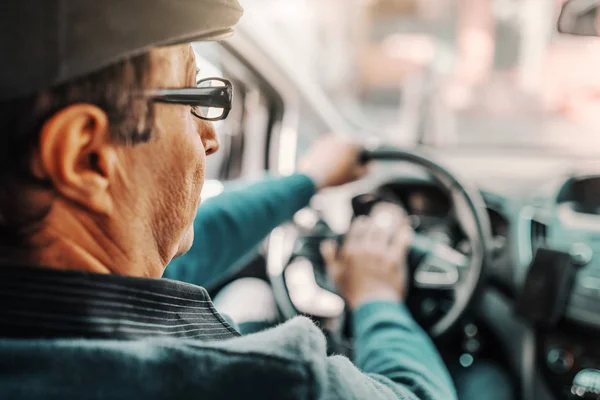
(371, 265)
(333, 161)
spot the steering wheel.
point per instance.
(300, 284)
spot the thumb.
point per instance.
(361, 170)
(329, 251)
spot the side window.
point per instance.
(309, 130)
(250, 116)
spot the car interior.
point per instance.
(504, 265)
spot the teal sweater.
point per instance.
(394, 358)
(389, 346)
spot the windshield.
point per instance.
(463, 73)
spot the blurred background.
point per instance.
(458, 73)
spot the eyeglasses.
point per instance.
(210, 101)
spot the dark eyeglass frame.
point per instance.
(217, 97)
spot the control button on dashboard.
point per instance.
(429, 307)
(581, 254)
(471, 345)
(471, 330)
(560, 360)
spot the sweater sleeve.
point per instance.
(228, 227)
(392, 348)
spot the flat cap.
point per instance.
(44, 43)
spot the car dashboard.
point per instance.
(549, 202)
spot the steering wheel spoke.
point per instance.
(308, 297)
(441, 268)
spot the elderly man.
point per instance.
(103, 145)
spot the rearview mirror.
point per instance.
(580, 17)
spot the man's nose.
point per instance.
(210, 139)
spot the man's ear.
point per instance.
(77, 155)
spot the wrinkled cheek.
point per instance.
(179, 203)
(193, 160)
(199, 179)
(194, 173)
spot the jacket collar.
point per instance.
(44, 303)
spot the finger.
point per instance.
(389, 211)
(401, 242)
(357, 230)
(381, 230)
(377, 233)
